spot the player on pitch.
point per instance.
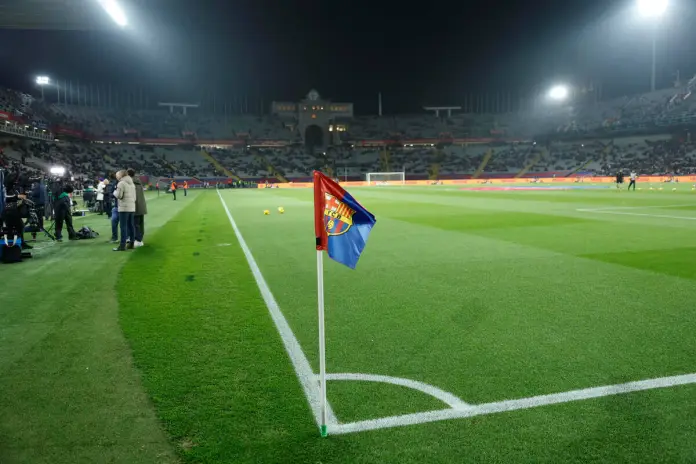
(633, 181)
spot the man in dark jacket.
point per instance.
(11, 216)
(140, 208)
(63, 208)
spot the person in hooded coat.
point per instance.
(140, 208)
(125, 193)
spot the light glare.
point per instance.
(652, 8)
(114, 10)
(43, 80)
(559, 92)
(58, 171)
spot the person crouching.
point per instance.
(125, 193)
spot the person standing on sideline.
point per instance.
(157, 187)
(63, 207)
(633, 181)
(38, 196)
(114, 222)
(101, 187)
(174, 189)
(108, 195)
(140, 208)
(185, 188)
(125, 193)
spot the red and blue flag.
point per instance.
(341, 224)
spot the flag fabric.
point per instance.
(341, 224)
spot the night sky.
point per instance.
(414, 53)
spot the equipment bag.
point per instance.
(86, 233)
(10, 250)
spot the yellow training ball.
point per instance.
(281, 210)
(266, 212)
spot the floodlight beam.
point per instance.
(652, 8)
(115, 12)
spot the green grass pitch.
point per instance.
(169, 353)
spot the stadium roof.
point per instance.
(54, 15)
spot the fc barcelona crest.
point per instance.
(338, 217)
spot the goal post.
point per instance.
(385, 178)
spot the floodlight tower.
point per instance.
(653, 10)
(42, 81)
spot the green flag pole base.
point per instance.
(324, 431)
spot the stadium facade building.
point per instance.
(319, 121)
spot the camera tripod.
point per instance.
(33, 223)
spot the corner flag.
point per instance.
(341, 227)
(341, 224)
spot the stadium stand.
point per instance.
(647, 133)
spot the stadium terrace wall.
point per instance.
(596, 180)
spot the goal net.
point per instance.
(385, 178)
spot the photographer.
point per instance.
(11, 216)
(63, 208)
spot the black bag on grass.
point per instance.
(86, 233)
(10, 252)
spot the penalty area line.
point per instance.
(512, 405)
(304, 372)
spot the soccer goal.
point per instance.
(385, 178)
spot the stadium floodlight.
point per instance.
(559, 92)
(115, 11)
(42, 81)
(652, 8)
(58, 171)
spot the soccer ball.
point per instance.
(266, 212)
(674, 189)
(281, 210)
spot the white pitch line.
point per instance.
(621, 213)
(612, 208)
(446, 397)
(512, 405)
(292, 346)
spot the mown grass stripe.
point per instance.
(210, 356)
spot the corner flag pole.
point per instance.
(322, 341)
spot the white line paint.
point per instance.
(621, 213)
(292, 346)
(458, 408)
(611, 208)
(512, 405)
(446, 397)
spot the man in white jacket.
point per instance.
(125, 193)
(100, 196)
